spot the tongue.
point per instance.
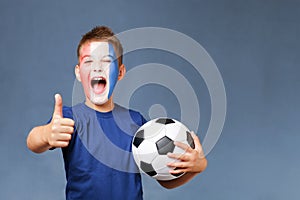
(98, 88)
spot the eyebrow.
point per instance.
(84, 57)
(108, 55)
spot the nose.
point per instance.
(97, 68)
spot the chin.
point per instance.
(98, 100)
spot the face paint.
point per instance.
(98, 71)
(113, 72)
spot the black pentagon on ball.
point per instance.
(165, 121)
(139, 138)
(165, 145)
(190, 139)
(148, 169)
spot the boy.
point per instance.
(95, 136)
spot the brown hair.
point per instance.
(105, 34)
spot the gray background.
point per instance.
(254, 43)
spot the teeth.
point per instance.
(98, 79)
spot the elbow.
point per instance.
(30, 146)
(167, 184)
(28, 142)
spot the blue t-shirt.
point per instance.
(98, 161)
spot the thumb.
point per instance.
(58, 106)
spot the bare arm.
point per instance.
(192, 162)
(179, 181)
(37, 139)
(55, 134)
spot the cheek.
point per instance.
(84, 76)
(113, 73)
(113, 77)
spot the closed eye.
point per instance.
(88, 61)
(106, 60)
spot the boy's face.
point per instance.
(97, 71)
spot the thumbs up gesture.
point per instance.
(61, 128)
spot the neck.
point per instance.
(106, 107)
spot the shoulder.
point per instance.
(136, 116)
(68, 111)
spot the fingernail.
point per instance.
(193, 133)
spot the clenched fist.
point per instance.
(61, 129)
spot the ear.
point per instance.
(122, 72)
(77, 74)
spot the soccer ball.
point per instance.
(153, 141)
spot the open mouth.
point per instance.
(98, 84)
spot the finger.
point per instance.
(64, 137)
(177, 171)
(182, 157)
(60, 144)
(56, 129)
(67, 122)
(198, 145)
(178, 165)
(59, 137)
(183, 146)
(58, 106)
(66, 129)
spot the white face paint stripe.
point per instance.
(100, 53)
(99, 48)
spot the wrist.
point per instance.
(203, 165)
(45, 134)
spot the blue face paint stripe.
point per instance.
(113, 71)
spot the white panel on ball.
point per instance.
(153, 141)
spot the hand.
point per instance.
(193, 160)
(60, 129)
